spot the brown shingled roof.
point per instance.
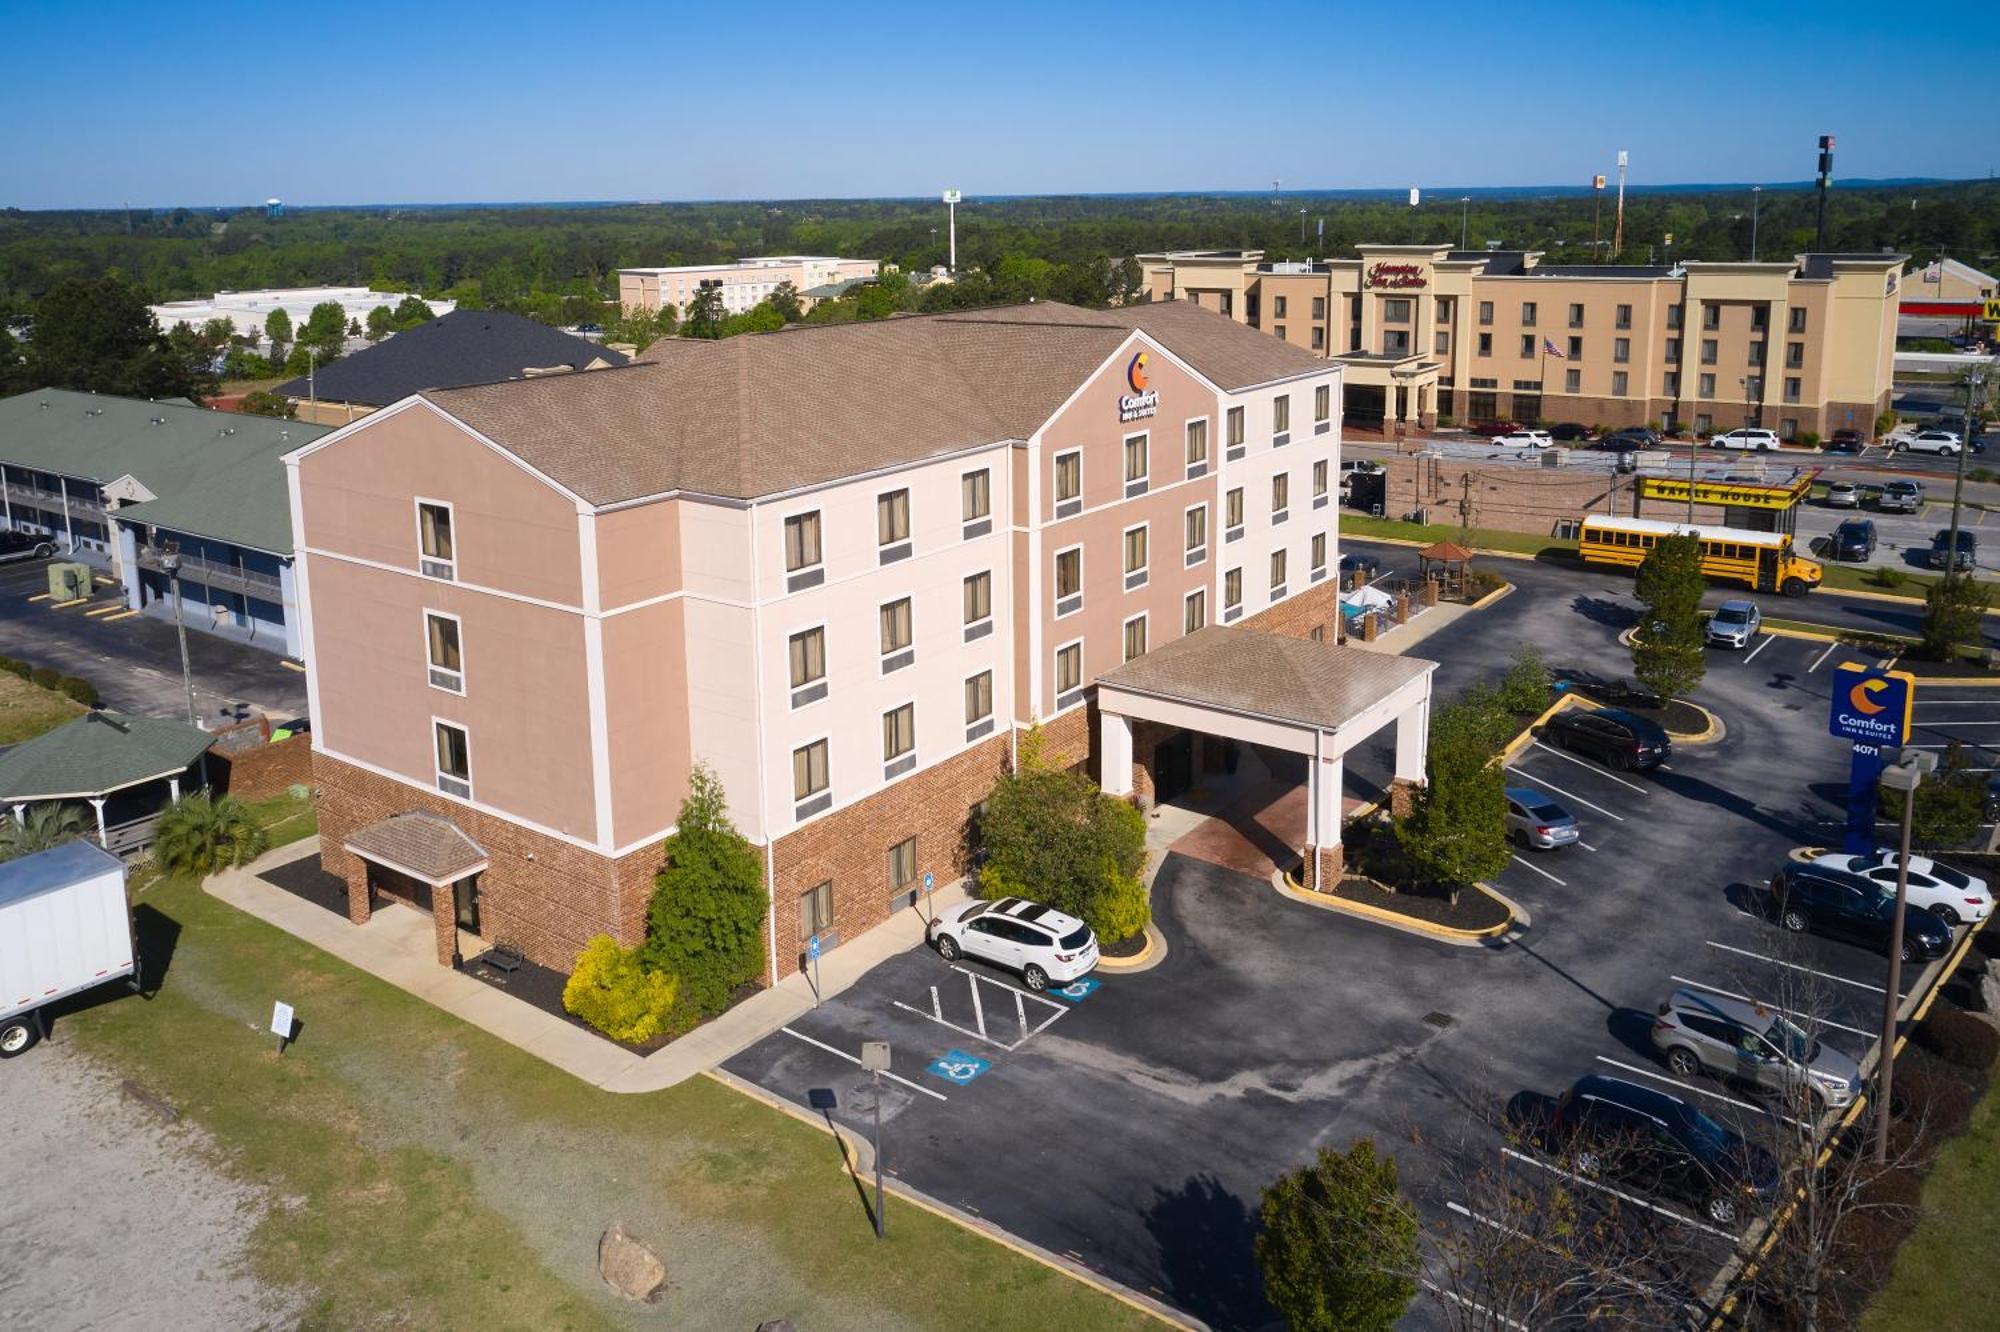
(432, 848)
(1268, 675)
(763, 413)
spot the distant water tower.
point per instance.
(952, 199)
(274, 208)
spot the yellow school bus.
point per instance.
(1763, 560)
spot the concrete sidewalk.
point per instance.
(397, 945)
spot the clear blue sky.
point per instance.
(441, 100)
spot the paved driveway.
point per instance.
(136, 663)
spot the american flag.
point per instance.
(1549, 348)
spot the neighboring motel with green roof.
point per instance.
(116, 482)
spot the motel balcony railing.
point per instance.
(222, 577)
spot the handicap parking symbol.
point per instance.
(958, 1067)
(1077, 990)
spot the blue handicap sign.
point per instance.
(1077, 990)
(958, 1067)
(928, 881)
(812, 948)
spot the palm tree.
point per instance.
(43, 827)
(198, 835)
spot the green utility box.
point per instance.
(68, 582)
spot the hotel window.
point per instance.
(903, 865)
(816, 910)
(1232, 514)
(1788, 428)
(1069, 580)
(802, 542)
(1796, 319)
(1278, 332)
(1760, 318)
(1319, 338)
(1708, 351)
(976, 489)
(1708, 386)
(1485, 344)
(892, 518)
(895, 618)
(1486, 312)
(1194, 611)
(454, 760)
(1711, 316)
(1621, 350)
(441, 638)
(1319, 307)
(1441, 309)
(1197, 445)
(1572, 381)
(1277, 307)
(1673, 316)
(899, 733)
(1323, 403)
(1624, 319)
(1232, 591)
(1791, 388)
(1704, 423)
(1135, 461)
(1527, 314)
(808, 656)
(1277, 572)
(1670, 384)
(809, 770)
(439, 557)
(1620, 383)
(1673, 346)
(1396, 311)
(1318, 556)
(1069, 670)
(1135, 637)
(1069, 482)
(1441, 343)
(1234, 426)
(1756, 354)
(1795, 354)
(1575, 315)
(1281, 495)
(1197, 533)
(979, 697)
(1576, 349)
(1135, 557)
(1281, 414)
(978, 598)
(1528, 346)
(1319, 479)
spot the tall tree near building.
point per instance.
(325, 331)
(278, 327)
(198, 835)
(99, 337)
(705, 925)
(1667, 653)
(1952, 611)
(1456, 834)
(411, 311)
(381, 323)
(1339, 1246)
(14, 377)
(705, 315)
(784, 298)
(197, 357)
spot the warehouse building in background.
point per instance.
(743, 283)
(1428, 332)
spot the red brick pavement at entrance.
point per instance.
(1254, 831)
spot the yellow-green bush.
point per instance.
(612, 992)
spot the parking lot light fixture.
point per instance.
(170, 565)
(875, 1058)
(1904, 776)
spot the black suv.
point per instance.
(1968, 549)
(1854, 539)
(1838, 902)
(1605, 1126)
(1845, 441)
(25, 545)
(1628, 439)
(1569, 432)
(1612, 736)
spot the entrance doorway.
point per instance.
(1366, 405)
(465, 900)
(1173, 766)
(397, 886)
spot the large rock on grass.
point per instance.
(629, 1267)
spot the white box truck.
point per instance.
(65, 927)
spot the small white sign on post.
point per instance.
(281, 1023)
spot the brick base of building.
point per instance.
(1322, 867)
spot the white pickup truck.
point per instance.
(65, 927)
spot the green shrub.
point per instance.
(1482, 582)
(1884, 424)
(198, 835)
(1445, 420)
(83, 691)
(614, 992)
(13, 667)
(705, 924)
(1525, 687)
(1952, 613)
(1809, 438)
(1052, 835)
(1955, 1035)
(1339, 1245)
(48, 677)
(1121, 910)
(1931, 1096)
(1886, 576)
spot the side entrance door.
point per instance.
(1173, 766)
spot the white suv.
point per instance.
(1755, 441)
(1523, 439)
(1943, 442)
(1040, 942)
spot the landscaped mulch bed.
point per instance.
(1678, 717)
(1965, 668)
(1474, 910)
(305, 878)
(1131, 946)
(542, 987)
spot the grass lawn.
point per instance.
(28, 710)
(1943, 1276)
(1852, 578)
(285, 819)
(1486, 538)
(428, 1175)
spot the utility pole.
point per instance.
(1975, 403)
(1464, 216)
(1903, 776)
(1756, 193)
(1596, 213)
(1618, 223)
(170, 565)
(875, 1058)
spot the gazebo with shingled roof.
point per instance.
(1449, 563)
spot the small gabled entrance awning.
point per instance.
(429, 849)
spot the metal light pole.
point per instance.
(1975, 402)
(170, 565)
(875, 1058)
(1904, 775)
(1464, 216)
(1756, 193)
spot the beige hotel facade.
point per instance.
(846, 567)
(1424, 331)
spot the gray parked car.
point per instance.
(1534, 820)
(1734, 624)
(1699, 1032)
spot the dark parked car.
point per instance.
(1627, 693)
(1568, 432)
(1612, 736)
(1628, 438)
(1848, 905)
(1968, 549)
(1604, 1126)
(1846, 441)
(1494, 427)
(1854, 539)
(25, 545)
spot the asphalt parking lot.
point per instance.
(1132, 1126)
(135, 661)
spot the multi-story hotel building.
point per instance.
(846, 567)
(743, 283)
(1807, 344)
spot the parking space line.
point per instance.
(1630, 786)
(1762, 643)
(1539, 870)
(1571, 794)
(1824, 975)
(1473, 1305)
(854, 1059)
(1585, 845)
(1699, 1091)
(126, 615)
(1821, 657)
(1790, 1013)
(1618, 1193)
